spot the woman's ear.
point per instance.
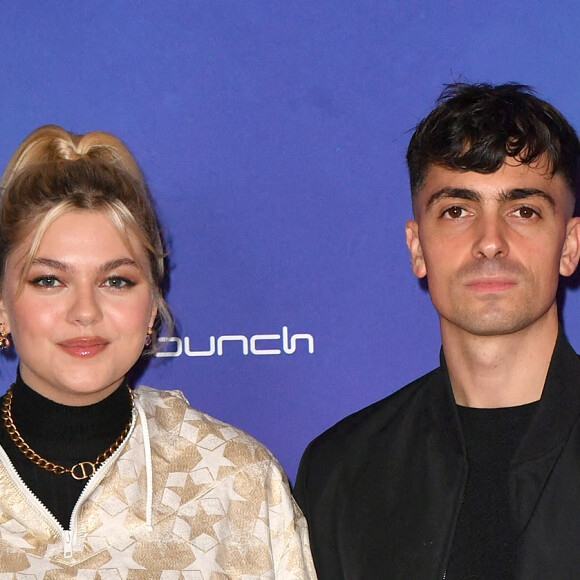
(4, 318)
(153, 315)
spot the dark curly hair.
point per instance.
(474, 127)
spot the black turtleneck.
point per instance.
(64, 435)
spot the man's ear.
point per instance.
(414, 245)
(571, 249)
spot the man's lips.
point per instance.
(491, 284)
(84, 346)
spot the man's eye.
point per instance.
(454, 212)
(46, 281)
(118, 282)
(525, 212)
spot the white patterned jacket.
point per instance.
(185, 496)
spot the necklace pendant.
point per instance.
(83, 470)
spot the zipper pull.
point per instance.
(67, 540)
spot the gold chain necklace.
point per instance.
(80, 470)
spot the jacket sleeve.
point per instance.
(288, 529)
(301, 485)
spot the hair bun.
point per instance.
(51, 143)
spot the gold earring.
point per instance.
(4, 340)
(149, 338)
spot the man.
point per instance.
(472, 471)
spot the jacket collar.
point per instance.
(558, 409)
(559, 406)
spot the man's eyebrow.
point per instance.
(453, 192)
(525, 192)
(472, 195)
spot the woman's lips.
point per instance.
(84, 346)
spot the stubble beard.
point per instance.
(494, 313)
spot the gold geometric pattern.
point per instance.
(219, 508)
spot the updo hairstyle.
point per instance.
(53, 172)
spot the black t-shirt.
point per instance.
(483, 543)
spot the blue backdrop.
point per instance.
(273, 137)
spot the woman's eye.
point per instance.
(46, 281)
(118, 282)
(453, 212)
(525, 212)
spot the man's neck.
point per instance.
(503, 370)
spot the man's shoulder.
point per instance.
(373, 423)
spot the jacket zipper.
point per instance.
(461, 502)
(68, 536)
(26, 491)
(68, 544)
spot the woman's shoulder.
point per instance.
(169, 415)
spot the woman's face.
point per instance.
(80, 320)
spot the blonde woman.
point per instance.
(98, 480)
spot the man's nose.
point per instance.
(490, 239)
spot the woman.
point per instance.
(98, 480)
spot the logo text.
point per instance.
(258, 344)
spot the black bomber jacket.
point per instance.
(382, 489)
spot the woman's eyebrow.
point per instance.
(117, 263)
(65, 267)
(50, 263)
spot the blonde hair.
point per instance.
(54, 171)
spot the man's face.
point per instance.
(493, 246)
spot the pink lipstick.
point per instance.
(84, 346)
